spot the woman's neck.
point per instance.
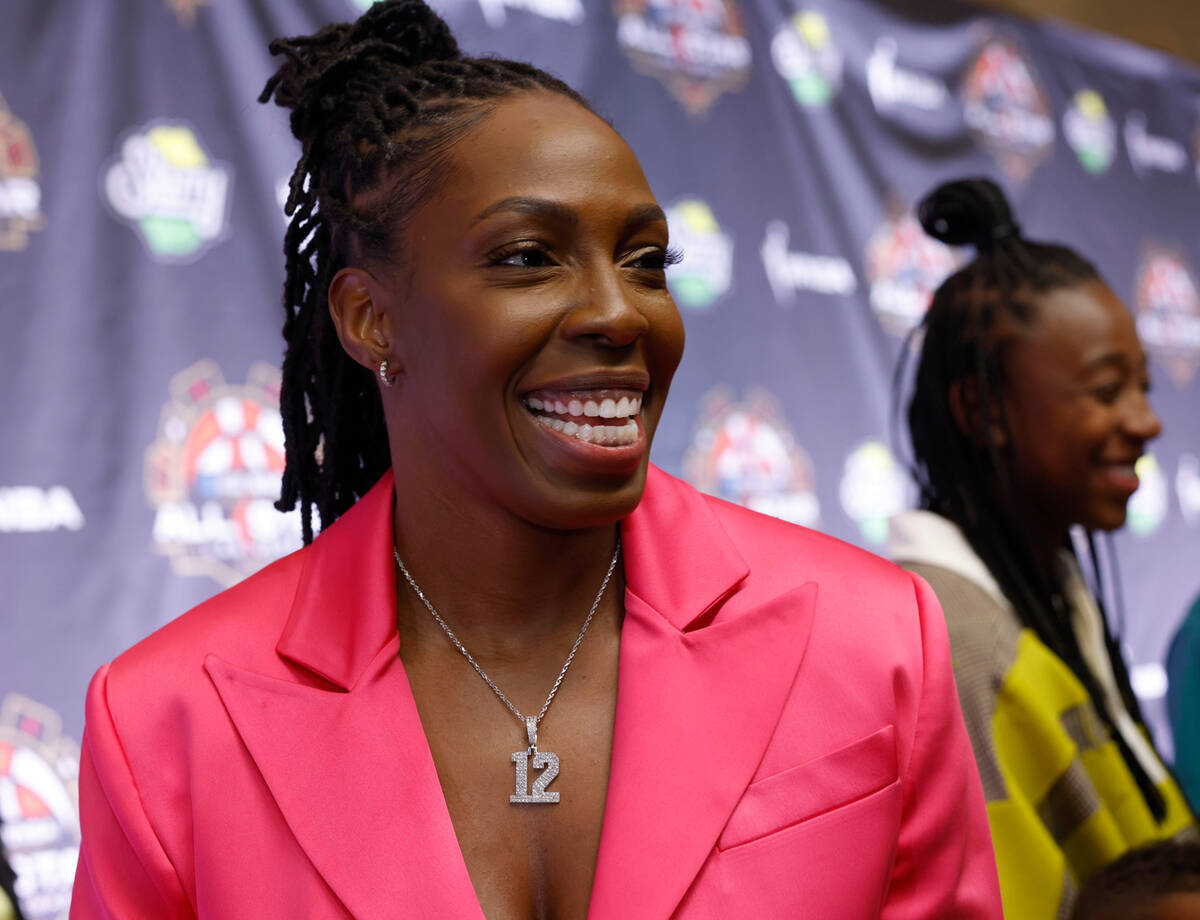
(503, 584)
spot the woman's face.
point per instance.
(1076, 385)
(530, 317)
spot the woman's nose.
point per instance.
(1141, 421)
(606, 312)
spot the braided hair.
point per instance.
(965, 475)
(376, 105)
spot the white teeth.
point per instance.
(623, 408)
(560, 408)
(535, 403)
(590, 409)
(607, 435)
(575, 407)
(608, 408)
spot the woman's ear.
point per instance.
(982, 425)
(357, 308)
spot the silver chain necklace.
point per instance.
(545, 761)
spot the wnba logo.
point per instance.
(213, 475)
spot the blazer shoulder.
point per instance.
(243, 622)
(771, 543)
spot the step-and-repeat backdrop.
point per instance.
(140, 272)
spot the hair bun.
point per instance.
(968, 211)
(319, 70)
(409, 27)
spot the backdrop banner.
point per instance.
(141, 266)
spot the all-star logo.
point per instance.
(905, 266)
(697, 48)
(892, 86)
(164, 184)
(744, 452)
(1151, 152)
(213, 474)
(1089, 131)
(873, 488)
(20, 193)
(804, 54)
(704, 276)
(1167, 303)
(39, 805)
(1006, 109)
(1148, 507)
(789, 271)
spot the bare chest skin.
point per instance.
(531, 861)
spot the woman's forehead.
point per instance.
(542, 145)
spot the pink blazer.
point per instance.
(787, 744)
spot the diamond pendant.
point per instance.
(542, 760)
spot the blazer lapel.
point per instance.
(345, 756)
(703, 677)
(355, 781)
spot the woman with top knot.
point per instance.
(521, 673)
(1028, 416)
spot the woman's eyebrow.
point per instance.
(537, 207)
(642, 215)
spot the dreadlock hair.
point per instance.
(964, 475)
(377, 106)
(1128, 888)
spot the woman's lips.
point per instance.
(1122, 476)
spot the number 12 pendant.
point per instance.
(542, 760)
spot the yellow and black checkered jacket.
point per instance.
(1061, 801)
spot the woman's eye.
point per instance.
(523, 257)
(1108, 393)
(657, 259)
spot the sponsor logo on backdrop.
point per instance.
(696, 48)
(1089, 131)
(496, 11)
(1151, 152)
(1167, 304)
(789, 271)
(891, 85)
(1187, 487)
(32, 509)
(39, 805)
(185, 10)
(1148, 507)
(744, 452)
(704, 275)
(213, 475)
(804, 54)
(1006, 109)
(905, 266)
(1149, 680)
(163, 183)
(20, 192)
(874, 487)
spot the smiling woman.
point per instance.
(1028, 416)
(521, 673)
